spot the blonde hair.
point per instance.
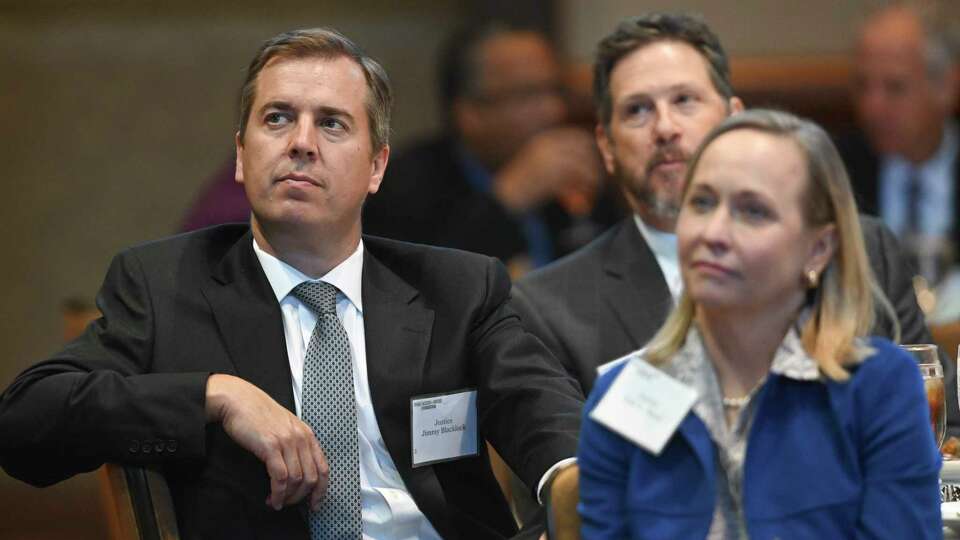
(842, 306)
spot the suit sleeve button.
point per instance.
(158, 447)
(146, 448)
(171, 445)
(134, 447)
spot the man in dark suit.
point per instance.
(506, 177)
(904, 165)
(661, 83)
(213, 345)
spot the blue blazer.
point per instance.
(824, 460)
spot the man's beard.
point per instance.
(662, 203)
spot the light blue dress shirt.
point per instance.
(937, 188)
(664, 248)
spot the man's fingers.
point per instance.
(307, 466)
(284, 444)
(291, 457)
(277, 470)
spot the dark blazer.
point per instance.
(597, 304)
(131, 389)
(426, 197)
(863, 166)
(872, 472)
(610, 298)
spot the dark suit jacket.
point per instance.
(426, 197)
(610, 298)
(863, 166)
(132, 388)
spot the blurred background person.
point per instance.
(77, 313)
(661, 83)
(771, 334)
(221, 200)
(904, 163)
(508, 177)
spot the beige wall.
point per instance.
(746, 27)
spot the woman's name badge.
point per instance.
(443, 427)
(644, 405)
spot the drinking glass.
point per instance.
(929, 363)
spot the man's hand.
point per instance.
(559, 163)
(294, 460)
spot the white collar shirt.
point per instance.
(664, 247)
(387, 508)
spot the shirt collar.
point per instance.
(943, 160)
(792, 361)
(691, 366)
(663, 244)
(940, 162)
(346, 276)
(690, 363)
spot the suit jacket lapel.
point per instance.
(248, 316)
(634, 288)
(694, 431)
(398, 326)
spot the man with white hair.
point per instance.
(904, 165)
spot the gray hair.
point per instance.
(940, 33)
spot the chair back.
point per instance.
(138, 503)
(563, 521)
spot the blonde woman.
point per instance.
(801, 425)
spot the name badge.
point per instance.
(603, 368)
(444, 427)
(644, 405)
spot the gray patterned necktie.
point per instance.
(329, 407)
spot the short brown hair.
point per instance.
(324, 43)
(635, 32)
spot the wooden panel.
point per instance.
(70, 509)
(138, 503)
(790, 74)
(118, 507)
(815, 87)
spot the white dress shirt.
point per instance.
(664, 247)
(387, 508)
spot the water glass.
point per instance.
(929, 363)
